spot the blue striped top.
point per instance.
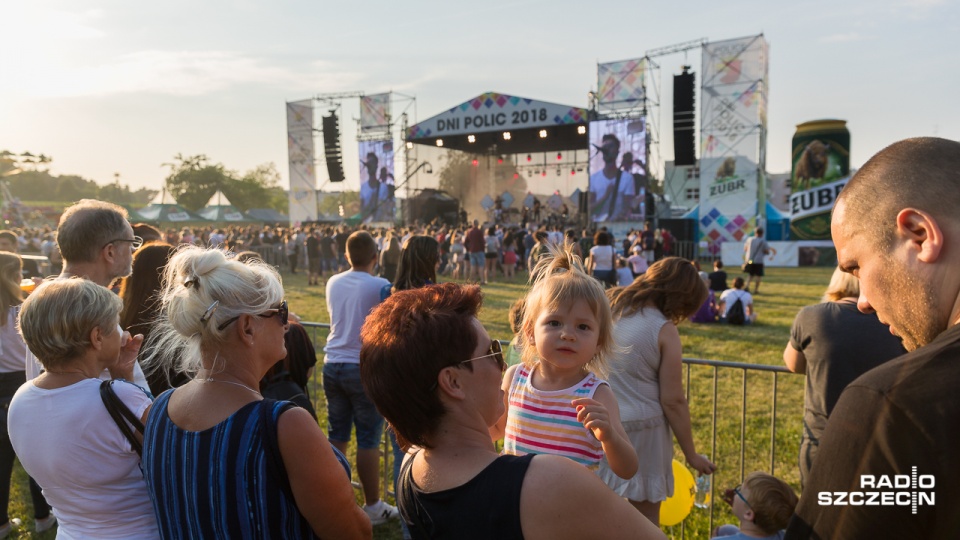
(227, 481)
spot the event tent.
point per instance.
(163, 209)
(220, 209)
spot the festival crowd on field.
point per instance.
(176, 404)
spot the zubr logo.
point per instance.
(911, 490)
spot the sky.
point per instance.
(115, 87)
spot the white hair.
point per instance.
(202, 289)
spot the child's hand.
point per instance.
(595, 417)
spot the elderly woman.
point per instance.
(66, 439)
(434, 373)
(220, 461)
(834, 343)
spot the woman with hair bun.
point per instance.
(219, 460)
(646, 376)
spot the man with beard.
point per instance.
(897, 228)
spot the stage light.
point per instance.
(544, 172)
(558, 171)
(529, 157)
(559, 156)
(499, 161)
(581, 130)
(506, 135)
(439, 142)
(475, 162)
(529, 174)
(409, 145)
(515, 176)
(543, 134)
(573, 172)
(471, 138)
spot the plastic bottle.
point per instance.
(702, 499)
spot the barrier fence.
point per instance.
(694, 388)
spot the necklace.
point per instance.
(241, 385)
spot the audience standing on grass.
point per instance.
(58, 424)
(13, 352)
(350, 297)
(225, 322)
(435, 374)
(833, 343)
(601, 263)
(555, 402)
(646, 375)
(755, 249)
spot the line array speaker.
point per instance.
(683, 119)
(331, 148)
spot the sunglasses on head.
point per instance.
(280, 310)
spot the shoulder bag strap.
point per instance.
(121, 416)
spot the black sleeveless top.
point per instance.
(487, 506)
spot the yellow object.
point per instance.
(27, 285)
(678, 506)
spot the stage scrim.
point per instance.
(377, 183)
(732, 138)
(617, 170)
(303, 182)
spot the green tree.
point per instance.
(193, 180)
(258, 188)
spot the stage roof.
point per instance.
(504, 124)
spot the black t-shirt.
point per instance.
(313, 247)
(341, 239)
(718, 281)
(840, 344)
(326, 247)
(901, 415)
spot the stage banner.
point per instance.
(303, 181)
(733, 124)
(377, 184)
(617, 170)
(496, 112)
(375, 113)
(621, 85)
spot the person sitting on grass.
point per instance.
(763, 504)
(730, 297)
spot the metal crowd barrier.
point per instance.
(774, 372)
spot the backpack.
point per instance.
(736, 314)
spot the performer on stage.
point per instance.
(612, 190)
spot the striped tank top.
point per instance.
(224, 482)
(544, 422)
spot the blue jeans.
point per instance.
(348, 405)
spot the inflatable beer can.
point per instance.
(821, 167)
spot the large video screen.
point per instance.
(377, 184)
(618, 165)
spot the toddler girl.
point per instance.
(555, 404)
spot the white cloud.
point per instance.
(181, 73)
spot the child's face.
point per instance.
(566, 337)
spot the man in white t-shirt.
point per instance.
(730, 296)
(612, 190)
(351, 295)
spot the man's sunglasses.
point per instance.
(496, 351)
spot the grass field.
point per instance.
(783, 293)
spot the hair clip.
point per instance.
(210, 311)
(192, 280)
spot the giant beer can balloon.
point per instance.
(821, 167)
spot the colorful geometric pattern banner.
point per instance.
(620, 85)
(375, 113)
(732, 138)
(303, 181)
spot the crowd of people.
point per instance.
(170, 409)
